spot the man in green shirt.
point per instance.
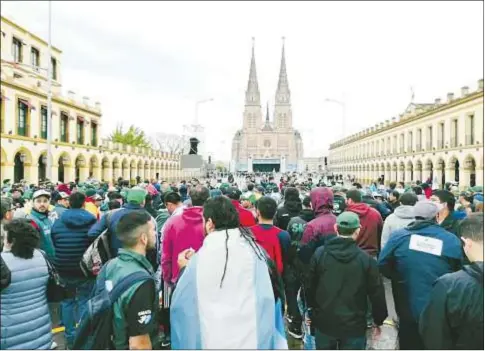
(135, 312)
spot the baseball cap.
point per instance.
(426, 209)
(136, 195)
(90, 192)
(348, 220)
(40, 193)
(233, 193)
(63, 195)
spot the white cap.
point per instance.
(41, 192)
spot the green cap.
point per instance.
(476, 189)
(90, 192)
(348, 220)
(136, 195)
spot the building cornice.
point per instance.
(25, 31)
(435, 110)
(57, 99)
(100, 149)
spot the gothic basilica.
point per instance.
(264, 145)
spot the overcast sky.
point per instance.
(148, 62)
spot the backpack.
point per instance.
(99, 252)
(95, 329)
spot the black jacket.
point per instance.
(453, 318)
(283, 215)
(341, 278)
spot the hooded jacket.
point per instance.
(70, 238)
(340, 280)
(323, 224)
(180, 233)
(285, 213)
(246, 217)
(413, 258)
(370, 227)
(453, 318)
(402, 216)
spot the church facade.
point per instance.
(264, 145)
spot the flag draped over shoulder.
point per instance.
(238, 313)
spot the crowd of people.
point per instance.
(241, 263)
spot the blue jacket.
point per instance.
(414, 257)
(59, 209)
(70, 238)
(26, 321)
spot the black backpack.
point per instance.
(95, 329)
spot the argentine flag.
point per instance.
(239, 314)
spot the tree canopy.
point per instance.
(134, 136)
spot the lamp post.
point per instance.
(343, 106)
(196, 128)
(49, 99)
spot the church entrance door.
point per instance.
(268, 167)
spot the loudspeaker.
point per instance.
(193, 146)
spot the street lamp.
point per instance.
(343, 106)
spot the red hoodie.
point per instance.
(323, 224)
(370, 227)
(246, 217)
(181, 232)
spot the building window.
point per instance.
(394, 146)
(388, 148)
(23, 112)
(94, 134)
(64, 127)
(17, 50)
(35, 58)
(469, 130)
(429, 142)
(410, 141)
(80, 130)
(418, 140)
(454, 133)
(43, 122)
(401, 143)
(54, 68)
(441, 135)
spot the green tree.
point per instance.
(134, 136)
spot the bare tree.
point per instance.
(172, 143)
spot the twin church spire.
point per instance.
(253, 96)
